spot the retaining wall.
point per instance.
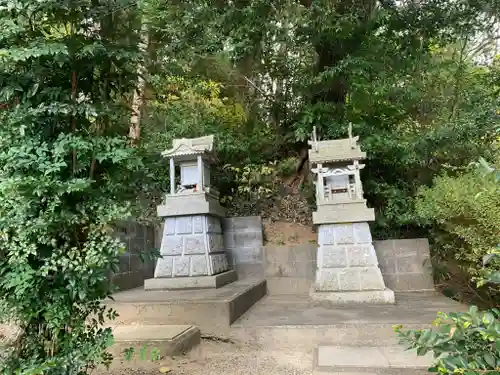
(132, 271)
(289, 269)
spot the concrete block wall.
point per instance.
(405, 264)
(132, 271)
(243, 241)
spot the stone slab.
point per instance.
(205, 308)
(171, 340)
(360, 297)
(200, 282)
(384, 359)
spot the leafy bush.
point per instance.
(466, 209)
(464, 343)
(63, 158)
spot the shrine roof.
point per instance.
(335, 150)
(190, 146)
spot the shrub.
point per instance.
(466, 209)
(464, 343)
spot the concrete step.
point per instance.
(394, 360)
(169, 340)
(205, 308)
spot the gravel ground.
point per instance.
(217, 358)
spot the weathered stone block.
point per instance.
(371, 278)
(198, 224)
(194, 244)
(247, 223)
(229, 240)
(219, 263)
(384, 248)
(199, 266)
(330, 256)
(184, 225)
(215, 243)
(171, 245)
(406, 247)
(248, 239)
(213, 225)
(327, 280)
(169, 227)
(362, 233)
(326, 234)
(124, 265)
(349, 279)
(246, 255)
(164, 267)
(344, 233)
(181, 266)
(361, 255)
(387, 266)
(408, 264)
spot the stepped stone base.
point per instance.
(367, 296)
(200, 282)
(191, 246)
(348, 268)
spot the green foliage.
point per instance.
(287, 167)
(464, 343)
(145, 353)
(66, 69)
(466, 207)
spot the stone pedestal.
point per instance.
(348, 268)
(193, 255)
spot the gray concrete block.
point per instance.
(362, 233)
(169, 226)
(288, 285)
(198, 224)
(249, 270)
(344, 233)
(194, 244)
(291, 269)
(407, 264)
(124, 263)
(349, 279)
(199, 265)
(248, 239)
(244, 255)
(186, 283)
(349, 297)
(332, 256)
(387, 265)
(172, 245)
(181, 266)
(184, 225)
(247, 223)
(384, 248)
(229, 239)
(371, 279)
(213, 225)
(326, 234)
(164, 267)
(361, 255)
(327, 279)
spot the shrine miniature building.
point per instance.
(347, 269)
(192, 248)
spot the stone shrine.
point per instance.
(192, 247)
(348, 268)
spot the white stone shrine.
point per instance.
(192, 247)
(347, 269)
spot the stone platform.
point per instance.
(185, 283)
(170, 340)
(205, 308)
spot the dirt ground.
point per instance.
(219, 358)
(284, 233)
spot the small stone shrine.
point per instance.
(192, 248)
(347, 268)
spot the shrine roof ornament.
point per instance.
(335, 150)
(190, 146)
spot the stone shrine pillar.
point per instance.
(192, 247)
(347, 268)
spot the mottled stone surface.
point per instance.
(346, 259)
(186, 244)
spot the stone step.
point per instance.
(204, 307)
(169, 340)
(394, 360)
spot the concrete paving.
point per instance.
(410, 308)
